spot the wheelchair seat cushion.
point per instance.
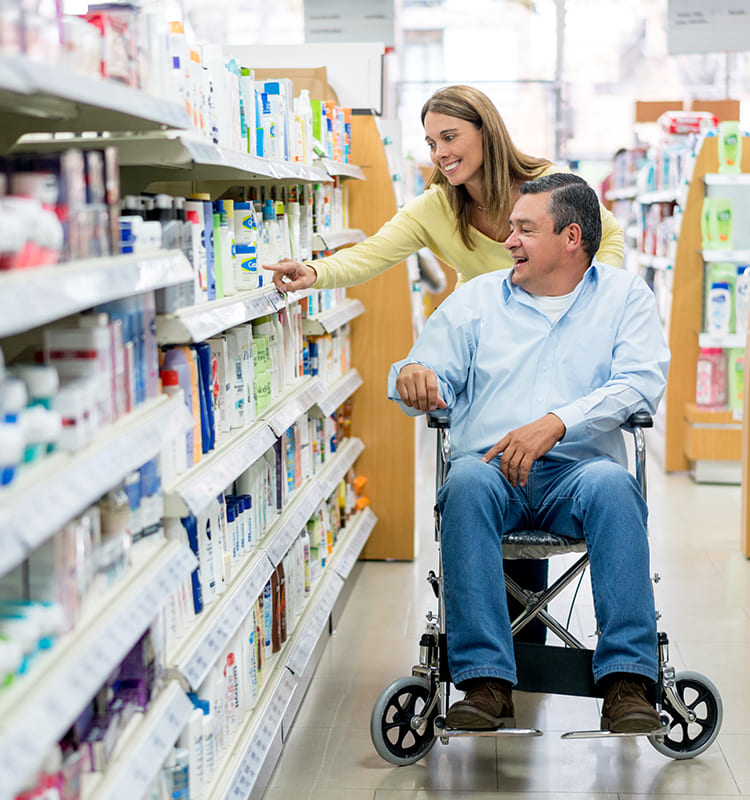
(539, 544)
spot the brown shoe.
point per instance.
(626, 709)
(486, 706)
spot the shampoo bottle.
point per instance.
(730, 147)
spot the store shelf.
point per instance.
(47, 495)
(734, 179)
(293, 519)
(338, 169)
(32, 297)
(36, 96)
(655, 262)
(332, 319)
(295, 402)
(350, 546)
(199, 322)
(37, 710)
(737, 256)
(721, 339)
(234, 453)
(623, 193)
(659, 196)
(219, 621)
(341, 390)
(340, 463)
(332, 240)
(138, 760)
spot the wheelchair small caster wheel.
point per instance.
(687, 739)
(391, 723)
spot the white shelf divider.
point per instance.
(332, 319)
(332, 240)
(37, 711)
(142, 756)
(294, 517)
(342, 170)
(721, 339)
(357, 532)
(728, 179)
(71, 482)
(219, 621)
(199, 322)
(347, 453)
(234, 453)
(300, 399)
(659, 196)
(339, 391)
(33, 297)
(738, 256)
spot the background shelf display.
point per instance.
(73, 481)
(334, 318)
(332, 240)
(339, 169)
(36, 711)
(32, 297)
(341, 390)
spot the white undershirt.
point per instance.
(552, 307)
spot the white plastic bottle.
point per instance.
(719, 307)
(742, 299)
(191, 739)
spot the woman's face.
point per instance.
(455, 147)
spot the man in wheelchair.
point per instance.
(540, 365)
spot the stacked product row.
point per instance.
(146, 48)
(93, 368)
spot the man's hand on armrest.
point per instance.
(521, 448)
(418, 388)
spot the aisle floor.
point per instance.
(704, 599)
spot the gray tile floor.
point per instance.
(704, 598)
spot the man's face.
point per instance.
(536, 250)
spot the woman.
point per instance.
(462, 216)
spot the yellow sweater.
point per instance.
(427, 221)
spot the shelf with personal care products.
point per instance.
(332, 240)
(339, 391)
(144, 747)
(328, 321)
(35, 296)
(70, 482)
(704, 439)
(200, 648)
(41, 705)
(37, 97)
(340, 169)
(259, 742)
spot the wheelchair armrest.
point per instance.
(439, 418)
(640, 419)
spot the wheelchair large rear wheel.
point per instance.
(391, 721)
(688, 739)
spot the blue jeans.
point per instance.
(595, 499)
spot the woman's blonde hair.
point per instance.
(503, 163)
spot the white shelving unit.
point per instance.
(332, 240)
(38, 709)
(49, 106)
(33, 297)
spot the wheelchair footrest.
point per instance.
(599, 734)
(451, 733)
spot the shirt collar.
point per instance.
(591, 275)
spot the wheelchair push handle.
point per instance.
(640, 419)
(439, 418)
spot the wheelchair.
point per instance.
(409, 715)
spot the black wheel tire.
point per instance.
(390, 722)
(689, 739)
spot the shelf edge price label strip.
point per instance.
(159, 730)
(357, 541)
(261, 742)
(315, 623)
(298, 515)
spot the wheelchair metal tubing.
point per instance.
(639, 441)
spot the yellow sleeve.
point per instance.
(612, 247)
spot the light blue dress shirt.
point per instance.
(501, 363)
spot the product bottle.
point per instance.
(191, 740)
(730, 147)
(711, 378)
(742, 299)
(722, 211)
(719, 308)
